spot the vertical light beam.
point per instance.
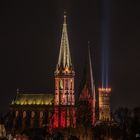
(105, 40)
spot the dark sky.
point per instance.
(30, 33)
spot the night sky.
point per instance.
(30, 33)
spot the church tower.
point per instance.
(87, 96)
(64, 84)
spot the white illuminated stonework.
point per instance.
(64, 73)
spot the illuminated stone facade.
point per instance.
(58, 110)
(104, 104)
(52, 110)
(31, 116)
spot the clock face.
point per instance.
(61, 84)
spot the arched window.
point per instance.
(61, 84)
(24, 114)
(71, 84)
(32, 114)
(17, 113)
(41, 114)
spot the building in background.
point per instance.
(87, 97)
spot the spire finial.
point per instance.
(65, 16)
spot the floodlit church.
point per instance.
(58, 110)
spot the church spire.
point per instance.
(90, 71)
(87, 82)
(64, 61)
(87, 89)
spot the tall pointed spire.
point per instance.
(87, 89)
(64, 85)
(87, 81)
(90, 70)
(64, 62)
(93, 94)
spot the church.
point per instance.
(61, 109)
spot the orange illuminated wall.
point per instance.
(104, 104)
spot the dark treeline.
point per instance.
(125, 125)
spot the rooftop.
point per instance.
(33, 99)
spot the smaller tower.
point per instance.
(104, 104)
(87, 98)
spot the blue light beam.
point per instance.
(105, 29)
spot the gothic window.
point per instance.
(41, 114)
(24, 114)
(61, 84)
(71, 84)
(56, 84)
(66, 84)
(17, 113)
(32, 114)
